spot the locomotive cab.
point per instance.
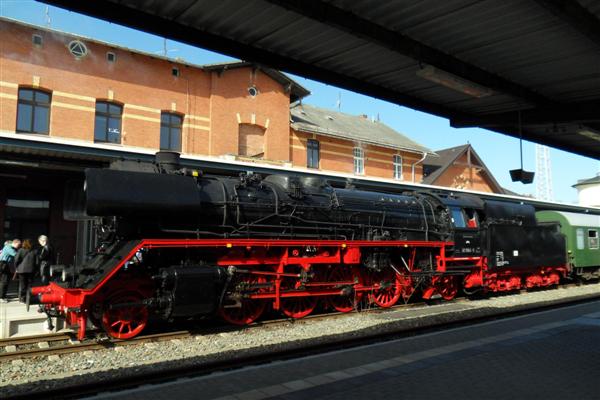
(467, 213)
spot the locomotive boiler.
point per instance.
(175, 244)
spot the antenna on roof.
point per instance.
(339, 102)
(165, 50)
(47, 17)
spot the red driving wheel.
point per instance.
(387, 287)
(296, 307)
(124, 317)
(343, 302)
(248, 310)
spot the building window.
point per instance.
(398, 167)
(111, 57)
(170, 131)
(175, 71)
(37, 40)
(107, 128)
(33, 111)
(359, 161)
(252, 91)
(312, 153)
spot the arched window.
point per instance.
(251, 141)
(107, 127)
(33, 111)
(170, 131)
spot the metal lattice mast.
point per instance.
(544, 173)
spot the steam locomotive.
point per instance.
(176, 244)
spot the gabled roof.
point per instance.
(590, 181)
(307, 118)
(447, 157)
(296, 90)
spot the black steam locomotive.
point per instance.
(177, 244)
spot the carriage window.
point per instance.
(458, 217)
(593, 239)
(580, 242)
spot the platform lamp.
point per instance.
(520, 175)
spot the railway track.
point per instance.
(40, 346)
(59, 344)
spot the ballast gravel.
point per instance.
(45, 373)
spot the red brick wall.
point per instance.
(462, 177)
(213, 104)
(231, 105)
(336, 155)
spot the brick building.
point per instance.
(68, 102)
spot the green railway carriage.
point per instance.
(582, 232)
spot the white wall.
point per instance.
(589, 195)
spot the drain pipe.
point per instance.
(415, 164)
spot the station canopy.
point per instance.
(525, 68)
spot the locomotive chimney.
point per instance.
(167, 161)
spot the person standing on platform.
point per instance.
(9, 252)
(45, 258)
(25, 261)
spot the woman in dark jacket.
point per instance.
(25, 260)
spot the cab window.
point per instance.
(472, 221)
(458, 217)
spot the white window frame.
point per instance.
(580, 239)
(359, 160)
(397, 162)
(593, 239)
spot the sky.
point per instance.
(500, 153)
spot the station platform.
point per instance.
(552, 354)
(16, 321)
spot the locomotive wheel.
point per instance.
(448, 287)
(296, 307)
(343, 303)
(250, 309)
(125, 322)
(388, 287)
(407, 287)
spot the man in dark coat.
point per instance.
(26, 262)
(45, 258)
